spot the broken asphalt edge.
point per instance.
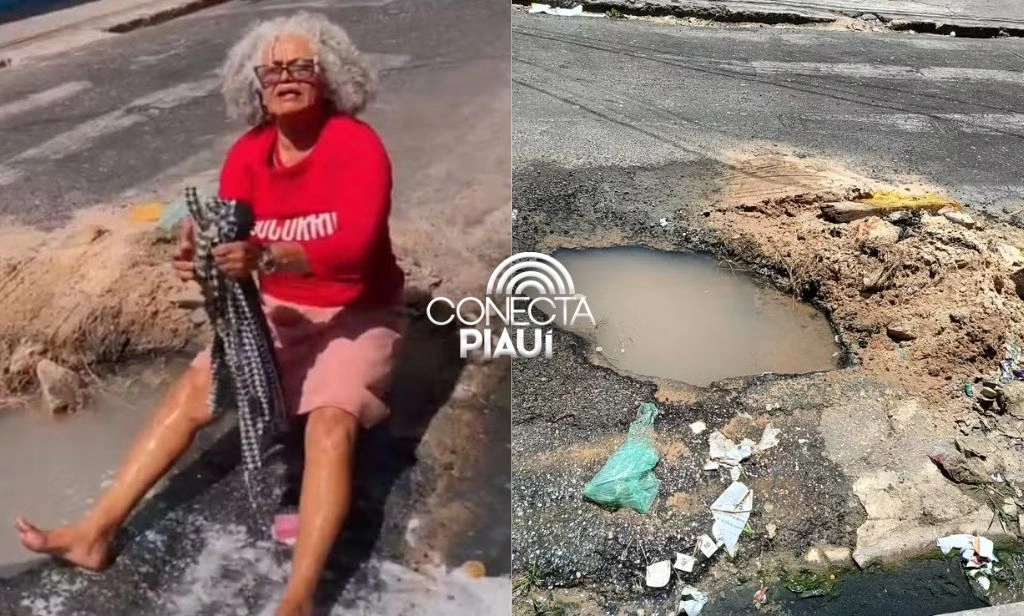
(162, 16)
(724, 13)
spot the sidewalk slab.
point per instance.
(55, 31)
(965, 17)
(1010, 609)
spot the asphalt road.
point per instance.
(131, 116)
(593, 92)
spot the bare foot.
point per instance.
(68, 543)
(294, 608)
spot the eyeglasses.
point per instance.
(301, 69)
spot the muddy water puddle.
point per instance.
(54, 467)
(689, 318)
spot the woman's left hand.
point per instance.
(237, 259)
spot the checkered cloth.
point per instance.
(245, 375)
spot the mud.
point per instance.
(851, 475)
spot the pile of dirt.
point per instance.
(98, 291)
(925, 300)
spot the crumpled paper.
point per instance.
(731, 511)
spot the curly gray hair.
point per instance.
(349, 80)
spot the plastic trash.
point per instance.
(175, 213)
(726, 452)
(627, 478)
(693, 601)
(575, 11)
(955, 465)
(178, 211)
(977, 555)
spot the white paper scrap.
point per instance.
(659, 574)
(575, 11)
(711, 465)
(983, 582)
(698, 426)
(955, 541)
(724, 451)
(707, 546)
(684, 562)
(769, 438)
(693, 601)
(731, 511)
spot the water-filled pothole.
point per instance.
(55, 467)
(689, 318)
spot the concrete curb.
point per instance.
(822, 11)
(37, 35)
(1010, 609)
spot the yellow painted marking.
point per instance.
(894, 199)
(474, 569)
(146, 212)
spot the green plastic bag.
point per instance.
(627, 478)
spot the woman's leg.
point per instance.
(323, 504)
(86, 543)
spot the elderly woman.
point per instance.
(319, 183)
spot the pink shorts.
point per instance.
(336, 357)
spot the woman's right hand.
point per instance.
(182, 260)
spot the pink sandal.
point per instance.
(286, 528)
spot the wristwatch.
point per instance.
(267, 263)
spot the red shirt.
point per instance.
(335, 203)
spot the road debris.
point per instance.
(693, 605)
(761, 597)
(575, 11)
(627, 478)
(663, 222)
(731, 511)
(707, 546)
(698, 426)
(977, 556)
(659, 574)
(955, 465)
(723, 452)
(882, 203)
(684, 562)
(769, 439)
(727, 453)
